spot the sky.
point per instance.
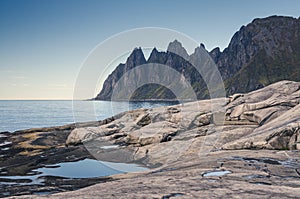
(43, 43)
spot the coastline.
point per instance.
(189, 154)
(144, 100)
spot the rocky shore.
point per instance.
(245, 146)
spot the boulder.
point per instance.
(268, 118)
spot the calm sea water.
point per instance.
(24, 114)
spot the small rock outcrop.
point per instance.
(275, 109)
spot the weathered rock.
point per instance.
(242, 174)
(189, 140)
(277, 112)
(155, 133)
(78, 135)
(263, 119)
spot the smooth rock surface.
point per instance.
(264, 119)
(256, 144)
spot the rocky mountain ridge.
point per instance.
(263, 52)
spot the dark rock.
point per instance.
(177, 48)
(261, 53)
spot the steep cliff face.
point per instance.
(135, 59)
(260, 53)
(155, 91)
(268, 52)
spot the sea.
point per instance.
(24, 114)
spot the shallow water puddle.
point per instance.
(216, 173)
(21, 180)
(5, 143)
(110, 147)
(87, 168)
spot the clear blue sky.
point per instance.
(44, 42)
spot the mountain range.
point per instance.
(261, 53)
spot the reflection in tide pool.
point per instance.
(87, 168)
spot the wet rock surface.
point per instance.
(251, 174)
(245, 146)
(22, 152)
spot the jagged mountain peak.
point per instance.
(155, 56)
(136, 58)
(175, 44)
(177, 48)
(202, 45)
(215, 53)
(137, 52)
(260, 53)
(154, 52)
